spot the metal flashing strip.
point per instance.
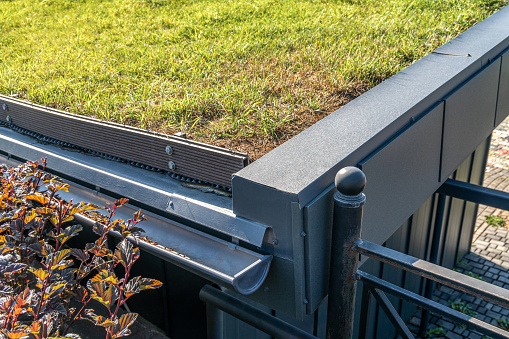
(165, 152)
(149, 188)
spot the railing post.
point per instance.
(346, 228)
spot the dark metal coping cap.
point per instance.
(350, 181)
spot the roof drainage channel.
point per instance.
(214, 259)
(165, 152)
(153, 189)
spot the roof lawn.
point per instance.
(247, 75)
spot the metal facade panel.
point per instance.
(476, 177)
(318, 227)
(307, 323)
(299, 255)
(469, 116)
(278, 289)
(375, 268)
(454, 220)
(503, 90)
(233, 328)
(401, 176)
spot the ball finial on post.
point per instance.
(350, 181)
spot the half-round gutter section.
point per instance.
(219, 261)
(252, 277)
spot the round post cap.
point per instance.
(350, 181)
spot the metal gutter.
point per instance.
(217, 260)
(211, 258)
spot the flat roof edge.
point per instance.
(306, 164)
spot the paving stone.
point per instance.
(459, 329)
(452, 335)
(477, 301)
(481, 272)
(471, 257)
(449, 326)
(444, 302)
(480, 244)
(468, 298)
(414, 321)
(492, 314)
(413, 329)
(446, 289)
(475, 264)
(497, 261)
(482, 310)
(494, 270)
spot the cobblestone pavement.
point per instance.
(488, 260)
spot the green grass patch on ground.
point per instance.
(242, 74)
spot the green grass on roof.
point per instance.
(242, 74)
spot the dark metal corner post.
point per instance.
(346, 229)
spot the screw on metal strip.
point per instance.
(8, 118)
(169, 150)
(4, 107)
(172, 165)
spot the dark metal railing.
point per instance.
(350, 184)
(374, 283)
